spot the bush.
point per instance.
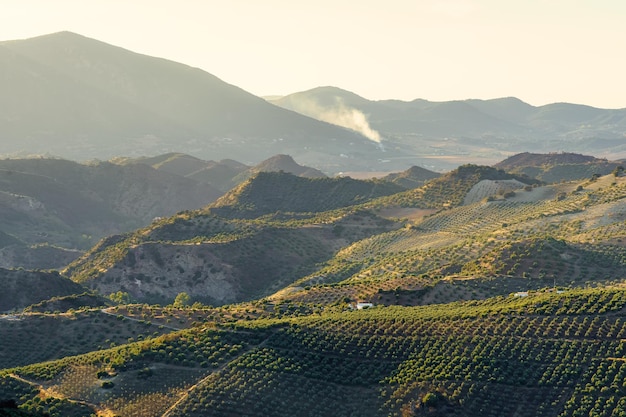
(430, 400)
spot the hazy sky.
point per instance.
(541, 51)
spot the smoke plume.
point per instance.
(342, 115)
(352, 119)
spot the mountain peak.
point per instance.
(63, 34)
(329, 89)
(62, 38)
(285, 163)
(413, 177)
(324, 96)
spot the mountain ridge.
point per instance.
(135, 101)
(430, 129)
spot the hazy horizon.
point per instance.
(541, 52)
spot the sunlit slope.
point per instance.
(537, 237)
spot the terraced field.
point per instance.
(565, 351)
(474, 241)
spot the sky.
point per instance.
(541, 51)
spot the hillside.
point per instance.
(80, 98)
(226, 252)
(287, 164)
(557, 167)
(413, 177)
(71, 205)
(568, 235)
(269, 192)
(265, 234)
(217, 261)
(23, 288)
(449, 189)
(546, 354)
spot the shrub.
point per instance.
(430, 400)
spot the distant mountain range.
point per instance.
(80, 98)
(74, 97)
(224, 174)
(495, 127)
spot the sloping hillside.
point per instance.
(413, 177)
(22, 288)
(220, 261)
(449, 189)
(217, 261)
(546, 354)
(289, 232)
(557, 167)
(72, 205)
(219, 257)
(268, 192)
(528, 159)
(567, 234)
(511, 305)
